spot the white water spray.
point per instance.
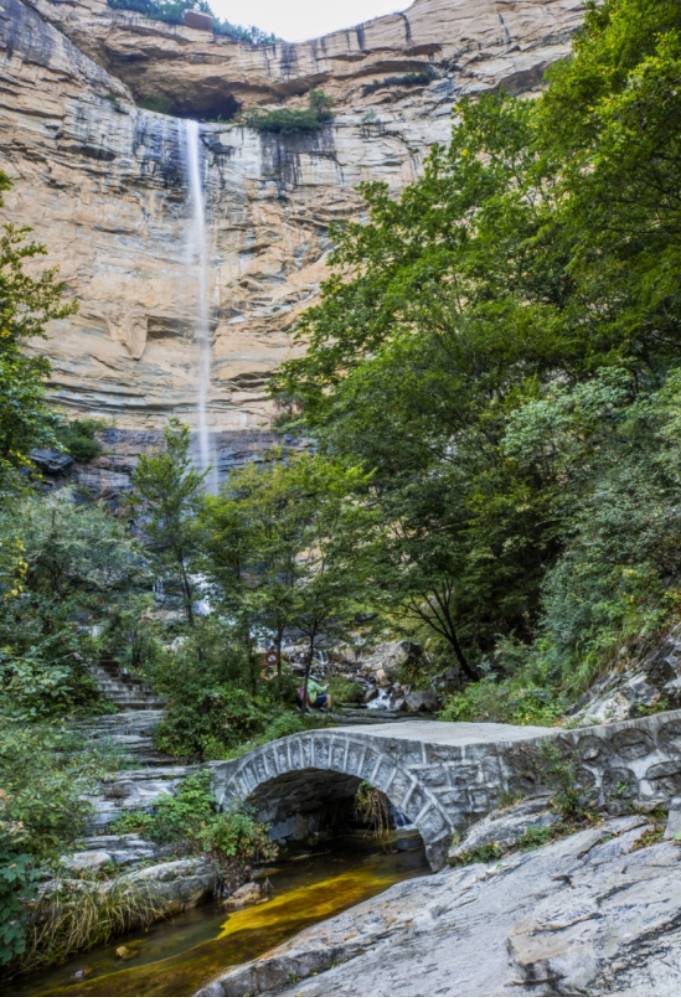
(197, 254)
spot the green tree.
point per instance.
(538, 248)
(75, 565)
(27, 304)
(253, 535)
(167, 493)
(334, 583)
(290, 544)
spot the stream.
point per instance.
(178, 956)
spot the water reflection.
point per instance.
(177, 957)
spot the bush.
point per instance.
(79, 439)
(287, 722)
(216, 701)
(44, 771)
(559, 772)
(205, 683)
(417, 79)
(344, 690)
(286, 121)
(508, 702)
(172, 12)
(210, 721)
(190, 822)
(157, 103)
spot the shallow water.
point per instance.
(180, 955)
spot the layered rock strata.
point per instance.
(103, 181)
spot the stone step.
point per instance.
(95, 851)
(130, 738)
(113, 685)
(147, 716)
(131, 703)
(132, 790)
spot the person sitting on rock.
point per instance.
(318, 696)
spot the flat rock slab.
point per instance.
(455, 733)
(589, 914)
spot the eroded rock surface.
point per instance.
(654, 685)
(506, 827)
(102, 180)
(588, 914)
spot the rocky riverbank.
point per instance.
(597, 912)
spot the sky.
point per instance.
(296, 20)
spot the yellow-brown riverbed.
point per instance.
(178, 956)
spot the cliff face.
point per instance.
(103, 181)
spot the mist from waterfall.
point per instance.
(197, 258)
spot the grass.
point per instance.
(70, 921)
(372, 809)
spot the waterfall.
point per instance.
(197, 256)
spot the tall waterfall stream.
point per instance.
(198, 265)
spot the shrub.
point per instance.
(44, 772)
(487, 853)
(79, 439)
(511, 701)
(157, 103)
(287, 722)
(235, 836)
(172, 12)
(215, 700)
(287, 121)
(417, 79)
(190, 822)
(572, 801)
(344, 690)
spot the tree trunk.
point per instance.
(466, 667)
(188, 594)
(468, 670)
(278, 640)
(308, 667)
(253, 670)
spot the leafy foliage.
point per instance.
(499, 344)
(27, 304)
(44, 771)
(73, 563)
(418, 78)
(167, 493)
(79, 438)
(516, 701)
(190, 821)
(286, 121)
(172, 12)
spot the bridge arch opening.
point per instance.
(305, 804)
(302, 781)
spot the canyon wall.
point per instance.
(101, 178)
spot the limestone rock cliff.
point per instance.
(102, 180)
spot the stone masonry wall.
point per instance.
(442, 787)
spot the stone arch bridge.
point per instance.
(442, 775)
